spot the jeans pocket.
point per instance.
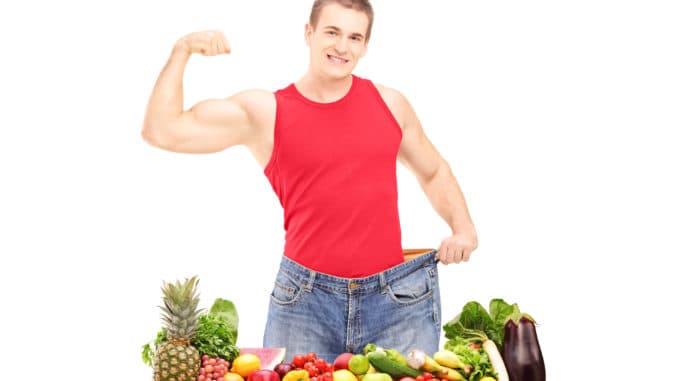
(413, 288)
(286, 289)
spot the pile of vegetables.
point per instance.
(501, 343)
(216, 335)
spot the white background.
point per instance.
(556, 117)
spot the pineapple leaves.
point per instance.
(214, 333)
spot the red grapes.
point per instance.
(213, 369)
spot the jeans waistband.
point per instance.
(310, 278)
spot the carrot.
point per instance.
(495, 358)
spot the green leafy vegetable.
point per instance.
(216, 334)
(468, 354)
(473, 323)
(148, 352)
(225, 309)
(215, 337)
(500, 311)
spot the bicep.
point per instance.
(211, 125)
(216, 124)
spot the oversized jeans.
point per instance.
(316, 312)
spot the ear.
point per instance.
(308, 31)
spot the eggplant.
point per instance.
(521, 351)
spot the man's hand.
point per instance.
(207, 43)
(457, 247)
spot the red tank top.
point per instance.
(333, 168)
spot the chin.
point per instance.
(338, 73)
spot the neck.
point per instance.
(324, 89)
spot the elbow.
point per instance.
(432, 174)
(156, 136)
(149, 135)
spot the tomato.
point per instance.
(298, 361)
(311, 356)
(427, 376)
(311, 369)
(321, 364)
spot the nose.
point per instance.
(341, 46)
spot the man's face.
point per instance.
(338, 41)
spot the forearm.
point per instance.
(447, 199)
(167, 98)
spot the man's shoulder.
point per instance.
(257, 100)
(393, 97)
(253, 95)
(385, 91)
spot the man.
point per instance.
(329, 144)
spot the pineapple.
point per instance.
(177, 359)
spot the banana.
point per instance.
(449, 374)
(448, 359)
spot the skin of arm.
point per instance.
(436, 179)
(210, 125)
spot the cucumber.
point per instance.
(382, 363)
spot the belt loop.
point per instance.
(309, 284)
(382, 281)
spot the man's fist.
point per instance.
(207, 43)
(458, 247)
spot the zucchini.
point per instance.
(381, 362)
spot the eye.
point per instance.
(331, 33)
(356, 38)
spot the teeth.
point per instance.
(337, 59)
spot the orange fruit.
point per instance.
(246, 364)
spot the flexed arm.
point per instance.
(210, 125)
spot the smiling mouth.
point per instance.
(336, 59)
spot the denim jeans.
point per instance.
(315, 312)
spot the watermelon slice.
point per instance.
(269, 357)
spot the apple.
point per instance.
(264, 375)
(341, 362)
(407, 378)
(282, 369)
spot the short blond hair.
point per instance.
(359, 5)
